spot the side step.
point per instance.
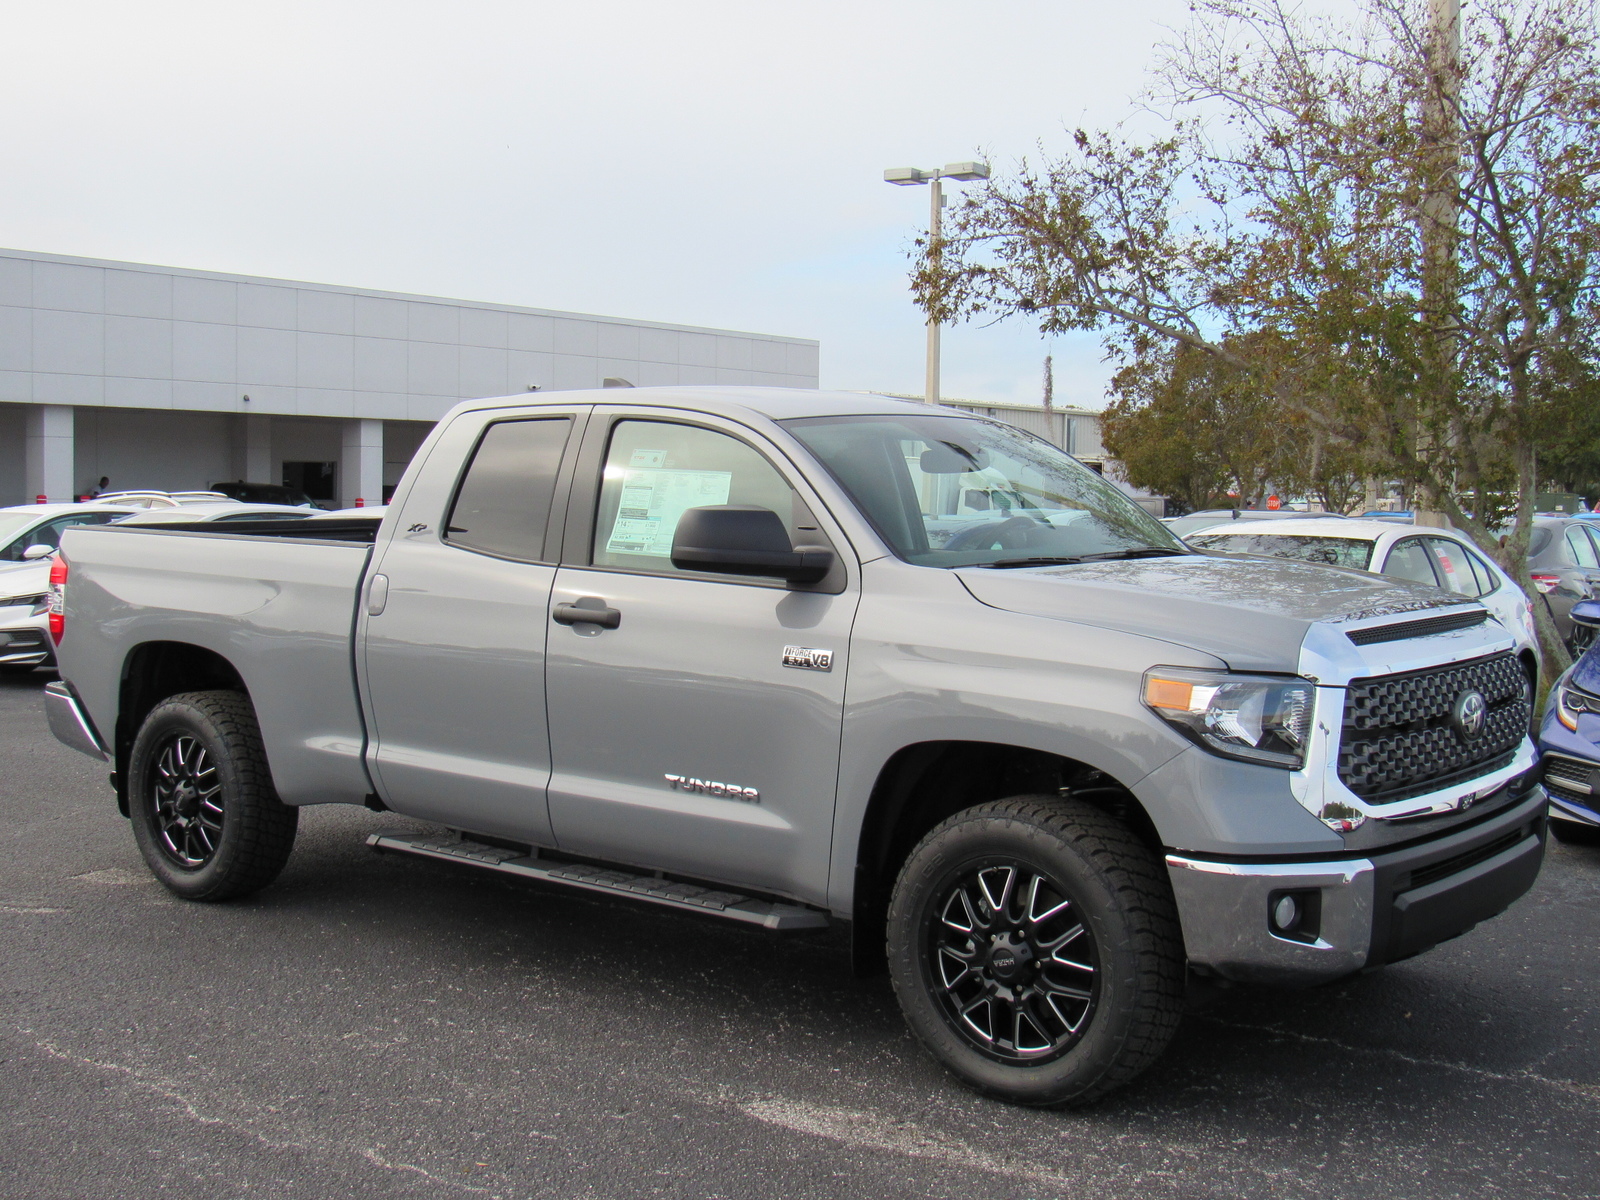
(734, 906)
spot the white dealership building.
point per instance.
(157, 377)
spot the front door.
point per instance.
(454, 632)
(679, 738)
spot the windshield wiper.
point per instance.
(1063, 560)
(1147, 552)
(1029, 562)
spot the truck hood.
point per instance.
(1252, 613)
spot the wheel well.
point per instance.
(922, 785)
(153, 672)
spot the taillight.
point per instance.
(1546, 583)
(58, 595)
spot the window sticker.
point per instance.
(652, 502)
(648, 458)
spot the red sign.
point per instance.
(1274, 504)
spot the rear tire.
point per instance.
(1035, 950)
(205, 814)
(1574, 833)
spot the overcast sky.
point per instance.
(698, 162)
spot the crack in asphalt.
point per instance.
(168, 1090)
(1585, 1091)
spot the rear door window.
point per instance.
(1482, 572)
(1450, 559)
(503, 504)
(1410, 560)
(1582, 548)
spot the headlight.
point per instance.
(1256, 718)
(1572, 703)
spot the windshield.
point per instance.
(12, 524)
(1335, 551)
(961, 491)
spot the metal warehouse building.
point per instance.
(163, 378)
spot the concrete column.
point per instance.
(361, 463)
(258, 464)
(49, 454)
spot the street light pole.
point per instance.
(931, 385)
(908, 176)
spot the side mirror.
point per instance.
(35, 552)
(744, 539)
(1587, 612)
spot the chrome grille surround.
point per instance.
(1333, 661)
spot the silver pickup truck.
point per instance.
(792, 658)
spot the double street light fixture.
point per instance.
(907, 177)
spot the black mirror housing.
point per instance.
(744, 539)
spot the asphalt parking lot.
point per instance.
(371, 1026)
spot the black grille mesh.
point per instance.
(1399, 740)
(1572, 780)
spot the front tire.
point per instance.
(1035, 950)
(205, 814)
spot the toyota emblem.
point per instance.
(1468, 714)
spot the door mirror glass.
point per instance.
(35, 552)
(743, 539)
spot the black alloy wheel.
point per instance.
(205, 813)
(187, 797)
(1017, 967)
(1034, 947)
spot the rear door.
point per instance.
(692, 736)
(454, 631)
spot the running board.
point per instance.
(687, 897)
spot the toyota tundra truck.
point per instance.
(796, 658)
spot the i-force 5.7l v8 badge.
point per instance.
(808, 658)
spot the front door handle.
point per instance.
(587, 610)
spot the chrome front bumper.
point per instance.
(1369, 911)
(70, 723)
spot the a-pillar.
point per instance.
(361, 464)
(258, 449)
(49, 453)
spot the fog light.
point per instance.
(1286, 914)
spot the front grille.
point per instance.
(1414, 629)
(1573, 780)
(1400, 740)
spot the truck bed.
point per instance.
(274, 599)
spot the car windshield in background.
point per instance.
(962, 492)
(12, 524)
(1334, 551)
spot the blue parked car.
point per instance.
(1569, 742)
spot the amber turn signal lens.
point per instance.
(1168, 693)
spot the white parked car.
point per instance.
(29, 535)
(1444, 558)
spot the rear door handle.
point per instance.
(587, 610)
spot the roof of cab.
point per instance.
(774, 403)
